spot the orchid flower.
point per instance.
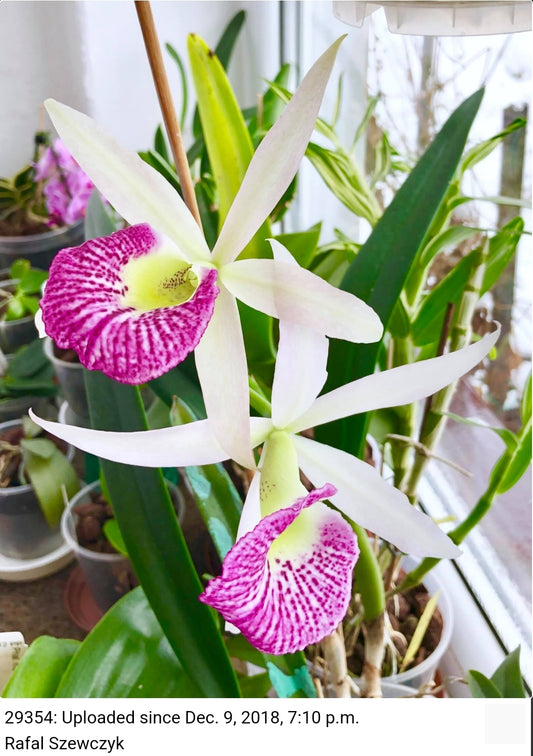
(66, 187)
(135, 303)
(293, 554)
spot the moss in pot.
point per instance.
(35, 468)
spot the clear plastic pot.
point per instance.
(70, 377)
(109, 576)
(40, 249)
(24, 532)
(423, 673)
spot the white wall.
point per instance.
(39, 57)
(90, 55)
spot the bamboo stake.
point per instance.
(153, 50)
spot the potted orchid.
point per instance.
(290, 405)
(42, 207)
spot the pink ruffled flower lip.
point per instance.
(284, 602)
(83, 309)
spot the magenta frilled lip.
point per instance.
(83, 310)
(282, 605)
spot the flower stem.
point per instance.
(335, 657)
(153, 49)
(434, 420)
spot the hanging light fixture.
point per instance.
(441, 17)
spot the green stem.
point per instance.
(368, 577)
(434, 419)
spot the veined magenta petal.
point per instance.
(82, 309)
(282, 605)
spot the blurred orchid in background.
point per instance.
(67, 187)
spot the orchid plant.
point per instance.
(134, 304)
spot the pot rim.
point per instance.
(54, 232)
(26, 486)
(433, 584)
(71, 540)
(49, 352)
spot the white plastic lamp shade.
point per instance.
(442, 17)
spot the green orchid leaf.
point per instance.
(342, 176)
(32, 280)
(19, 268)
(399, 324)
(480, 686)
(97, 220)
(184, 100)
(428, 322)
(525, 404)
(508, 678)
(177, 382)
(448, 239)
(302, 245)
(127, 656)
(223, 51)
(39, 672)
(367, 116)
(482, 150)
(502, 248)
(208, 212)
(239, 648)
(160, 144)
(519, 461)
(255, 686)
(15, 309)
(271, 107)
(41, 447)
(50, 472)
(380, 269)
(28, 360)
(508, 437)
(161, 165)
(30, 304)
(114, 536)
(333, 260)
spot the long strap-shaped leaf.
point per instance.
(156, 545)
(378, 273)
(135, 659)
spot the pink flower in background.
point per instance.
(67, 187)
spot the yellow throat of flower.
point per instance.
(159, 279)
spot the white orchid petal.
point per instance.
(179, 446)
(300, 372)
(275, 161)
(223, 374)
(292, 293)
(138, 192)
(251, 511)
(301, 361)
(395, 387)
(260, 429)
(39, 324)
(364, 497)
